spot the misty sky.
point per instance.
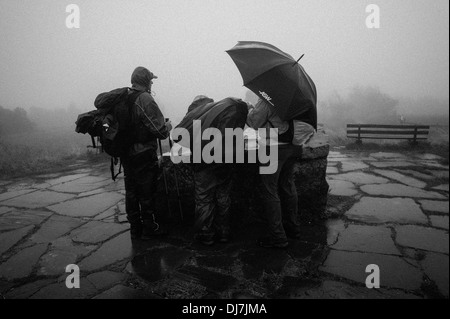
(45, 64)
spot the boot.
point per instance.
(152, 229)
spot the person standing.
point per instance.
(277, 190)
(140, 165)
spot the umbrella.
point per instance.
(276, 77)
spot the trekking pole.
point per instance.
(176, 185)
(165, 178)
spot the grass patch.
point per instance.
(42, 151)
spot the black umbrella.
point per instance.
(278, 78)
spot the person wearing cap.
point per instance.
(141, 168)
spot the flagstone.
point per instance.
(55, 181)
(55, 262)
(353, 166)
(80, 185)
(124, 292)
(27, 290)
(335, 154)
(401, 178)
(428, 157)
(65, 179)
(361, 178)
(440, 174)
(38, 199)
(16, 193)
(383, 155)
(434, 165)
(392, 164)
(439, 221)
(96, 232)
(342, 188)
(112, 251)
(105, 279)
(106, 214)
(87, 206)
(416, 174)
(332, 170)
(60, 291)
(372, 239)
(387, 210)
(4, 210)
(435, 206)
(21, 265)
(334, 229)
(9, 239)
(94, 192)
(55, 227)
(444, 188)
(394, 271)
(399, 190)
(16, 219)
(423, 238)
(436, 266)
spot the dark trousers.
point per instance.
(212, 199)
(279, 195)
(141, 180)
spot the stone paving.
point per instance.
(387, 209)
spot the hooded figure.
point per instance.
(199, 100)
(141, 164)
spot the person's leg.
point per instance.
(268, 189)
(132, 207)
(205, 186)
(289, 199)
(147, 172)
(223, 202)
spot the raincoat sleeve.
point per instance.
(259, 116)
(152, 117)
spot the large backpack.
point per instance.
(111, 122)
(117, 130)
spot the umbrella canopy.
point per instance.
(276, 77)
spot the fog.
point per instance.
(46, 68)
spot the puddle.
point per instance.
(154, 265)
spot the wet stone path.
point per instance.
(386, 209)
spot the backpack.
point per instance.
(117, 134)
(298, 133)
(111, 122)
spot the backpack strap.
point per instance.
(114, 161)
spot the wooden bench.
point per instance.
(413, 133)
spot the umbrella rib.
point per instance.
(268, 70)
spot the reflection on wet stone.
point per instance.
(211, 280)
(38, 199)
(157, 263)
(274, 262)
(87, 206)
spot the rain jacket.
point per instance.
(263, 116)
(149, 124)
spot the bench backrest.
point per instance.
(377, 131)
